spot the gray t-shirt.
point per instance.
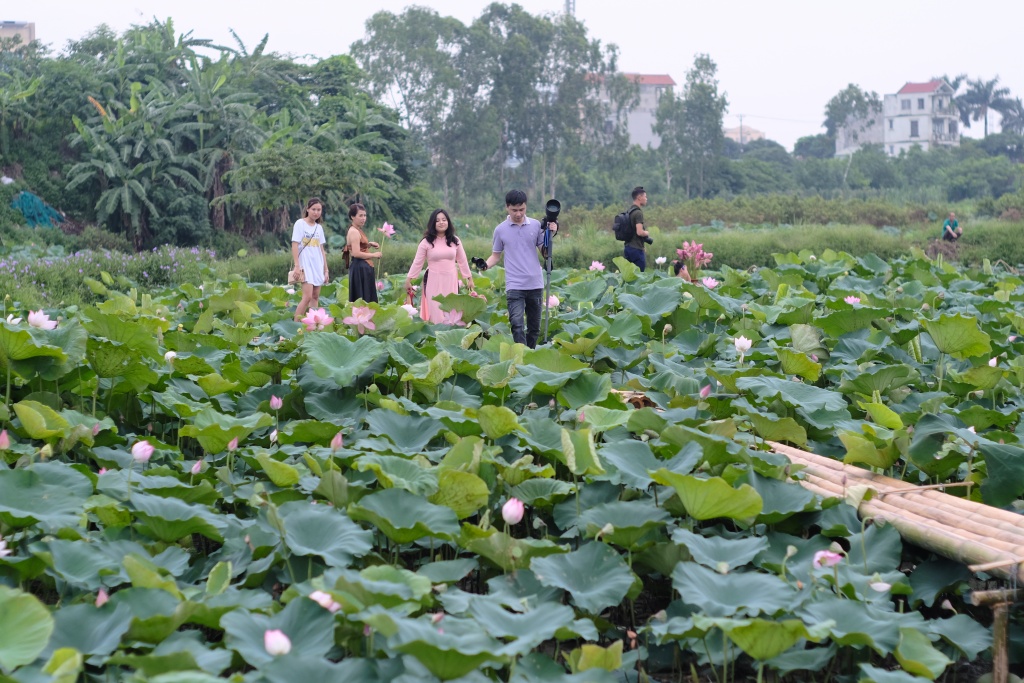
(519, 245)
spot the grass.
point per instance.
(34, 278)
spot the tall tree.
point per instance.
(852, 105)
(982, 95)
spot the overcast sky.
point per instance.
(779, 62)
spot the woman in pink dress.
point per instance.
(441, 252)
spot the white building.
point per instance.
(26, 30)
(921, 114)
(641, 118)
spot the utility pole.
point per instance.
(741, 132)
(570, 7)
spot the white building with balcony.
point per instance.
(920, 114)
(641, 118)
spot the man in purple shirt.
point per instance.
(519, 238)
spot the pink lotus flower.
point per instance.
(316, 319)
(325, 600)
(387, 229)
(411, 310)
(337, 442)
(582, 416)
(453, 318)
(101, 598)
(596, 265)
(993, 362)
(1012, 338)
(197, 468)
(553, 301)
(512, 511)
(709, 282)
(362, 318)
(826, 558)
(142, 451)
(852, 300)
(276, 403)
(276, 642)
(96, 429)
(15, 321)
(41, 320)
(233, 444)
(103, 470)
(705, 391)
(5, 440)
(380, 285)
(436, 617)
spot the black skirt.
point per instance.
(361, 281)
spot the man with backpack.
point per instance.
(629, 228)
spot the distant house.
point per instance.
(743, 134)
(640, 119)
(25, 29)
(920, 114)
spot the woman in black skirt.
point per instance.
(362, 283)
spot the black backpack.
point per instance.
(623, 226)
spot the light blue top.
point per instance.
(518, 244)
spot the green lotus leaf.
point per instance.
(529, 379)
(593, 657)
(626, 328)
(582, 345)
(448, 571)
(843, 322)
(168, 519)
(459, 648)
(395, 472)
(588, 388)
(780, 499)
(22, 353)
(338, 358)
(177, 404)
(654, 303)
(796, 363)
(384, 586)
(471, 306)
(307, 432)
(771, 428)
(882, 414)
(40, 421)
(247, 378)
(860, 449)
(595, 576)
(763, 639)
(463, 492)
(917, 655)
(542, 492)
(65, 666)
(404, 517)
(624, 523)
(632, 462)
(138, 334)
(628, 270)
(882, 379)
(428, 375)
(577, 452)
(713, 497)
(983, 376)
(506, 552)
(496, 375)
(874, 674)
(27, 628)
(1005, 480)
(411, 433)
(732, 594)
(528, 629)
(281, 473)
(215, 385)
(153, 665)
(963, 633)
(308, 625)
(856, 624)
(793, 393)
(958, 336)
(89, 629)
(602, 419)
(50, 494)
(71, 338)
(190, 364)
(497, 421)
(324, 531)
(214, 430)
(144, 574)
(715, 551)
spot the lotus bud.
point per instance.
(233, 444)
(170, 356)
(705, 391)
(273, 436)
(5, 440)
(276, 403)
(101, 598)
(512, 511)
(142, 451)
(276, 642)
(46, 452)
(337, 442)
(197, 468)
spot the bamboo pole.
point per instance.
(990, 598)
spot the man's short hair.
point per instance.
(515, 198)
(637, 191)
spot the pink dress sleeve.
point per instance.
(417, 263)
(460, 259)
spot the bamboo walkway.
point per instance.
(984, 538)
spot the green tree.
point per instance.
(820, 146)
(15, 113)
(852, 106)
(982, 95)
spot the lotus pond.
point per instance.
(196, 488)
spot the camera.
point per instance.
(479, 263)
(551, 210)
(648, 240)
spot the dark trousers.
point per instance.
(528, 302)
(638, 257)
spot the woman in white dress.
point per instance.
(308, 255)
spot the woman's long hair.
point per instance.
(430, 234)
(313, 201)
